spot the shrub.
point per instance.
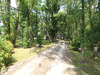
(75, 44)
(40, 39)
(6, 48)
(45, 42)
(10, 37)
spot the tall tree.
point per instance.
(17, 23)
(8, 16)
(53, 6)
(99, 8)
(90, 14)
(83, 26)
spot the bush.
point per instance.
(6, 48)
(19, 43)
(44, 42)
(75, 44)
(10, 37)
(40, 39)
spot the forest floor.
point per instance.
(89, 67)
(54, 61)
(21, 54)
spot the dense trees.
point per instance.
(84, 22)
(52, 7)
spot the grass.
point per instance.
(20, 54)
(89, 67)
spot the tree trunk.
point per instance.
(8, 17)
(99, 8)
(49, 36)
(0, 14)
(46, 27)
(22, 36)
(53, 29)
(83, 54)
(90, 14)
(69, 35)
(36, 24)
(17, 22)
(28, 22)
(83, 25)
(76, 29)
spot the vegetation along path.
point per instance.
(54, 61)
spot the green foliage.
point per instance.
(93, 35)
(40, 39)
(99, 45)
(75, 44)
(19, 43)
(9, 37)
(25, 39)
(44, 42)
(6, 48)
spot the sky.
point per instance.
(61, 8)
(13, 3)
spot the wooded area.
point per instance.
(37, 21)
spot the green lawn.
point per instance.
(20, 54)
(90, 67)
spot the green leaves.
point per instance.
(6, 48)
(40, 39)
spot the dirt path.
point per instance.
(54, 61)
